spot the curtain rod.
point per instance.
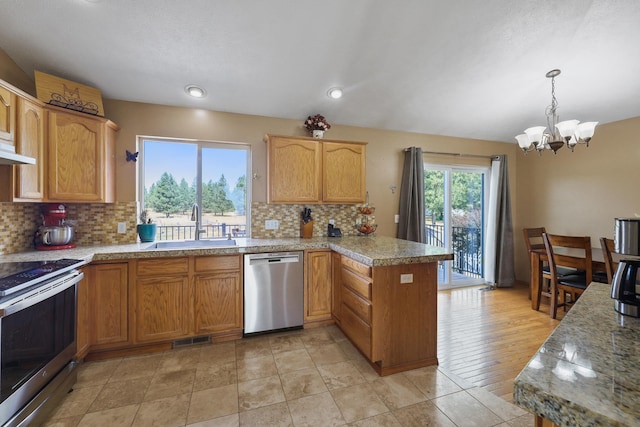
(493, 156)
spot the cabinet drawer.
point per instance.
(208, 263)
(358, 305)
(359, 268)
(357, 284)
(162, 266)
(357, 330)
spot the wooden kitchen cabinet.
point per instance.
(336, 286)
(218, 295)
(25, 183)
(308, 170)
(343, 172)
(83, 316)
(109, 305)
(7, 117)
(161, 299)
(393, 324)
(317, 292)
(294, 167)
(80, 157)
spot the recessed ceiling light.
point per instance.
(195, 91)
(335, 93)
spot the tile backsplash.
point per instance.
(95, 224)
(288, 216)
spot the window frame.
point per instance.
(200, 144)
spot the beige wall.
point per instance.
(580, 193)
(384, 149)
(573, 193)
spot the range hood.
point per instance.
(8, 156)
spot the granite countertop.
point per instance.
(369, 250)
(587, 372)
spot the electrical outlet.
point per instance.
(396, 218)
(122, 227)
(406, 278)
(271, 224)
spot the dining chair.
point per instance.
(533, 240)
(608, 247)
(573, 252)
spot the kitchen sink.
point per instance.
(193, 244)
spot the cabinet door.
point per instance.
(76, 158)
(293, 170)
(82, 315)
(336, 285)
(162, 308)
(29, 179)
(318, 286)
(343, 173)
(7, 116)
(109, 300)
(218, 302)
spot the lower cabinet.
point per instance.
(82, 316)
(391, 322)
(217, 295)
(317, 292)
(108, 305)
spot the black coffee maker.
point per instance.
(625, 289)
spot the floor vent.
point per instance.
(192, 341)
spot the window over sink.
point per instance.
(177, 174)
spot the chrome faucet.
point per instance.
(195, 216)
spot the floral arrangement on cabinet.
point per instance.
(317, 125)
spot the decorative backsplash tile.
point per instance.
(344, 216)
(95, 224)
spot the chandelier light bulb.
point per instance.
(335, 93)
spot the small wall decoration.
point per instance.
(132, 157)
(67, 94)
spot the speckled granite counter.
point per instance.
(373, 251)
(587, 373)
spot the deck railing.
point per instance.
(467, 247)
(211, 231)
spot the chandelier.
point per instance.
(556, 134)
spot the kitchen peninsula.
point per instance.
(382, 292)
(587, 372)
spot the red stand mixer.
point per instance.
(54, 233)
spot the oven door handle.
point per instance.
(45, 291)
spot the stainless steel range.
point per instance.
(38, 337)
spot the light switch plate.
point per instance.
(406, 278)
(122, 227)
(396, 218)
(271, 224)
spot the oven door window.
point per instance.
(34, 336)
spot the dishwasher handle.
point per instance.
(279, 259)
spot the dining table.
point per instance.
(538, 256)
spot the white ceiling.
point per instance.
(463, 68)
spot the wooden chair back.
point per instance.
(608, 247)
(569, 252)
(533, 238)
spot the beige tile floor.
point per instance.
(312, 377)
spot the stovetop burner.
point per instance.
(15, 276)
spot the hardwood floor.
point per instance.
(487, 337)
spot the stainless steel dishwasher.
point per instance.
(273, 291)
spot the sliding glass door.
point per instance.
(455, 209)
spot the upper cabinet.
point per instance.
(308, 170)
(7, 116)
(80, 157)
(25, 183)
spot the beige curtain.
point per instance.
(411, 226)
